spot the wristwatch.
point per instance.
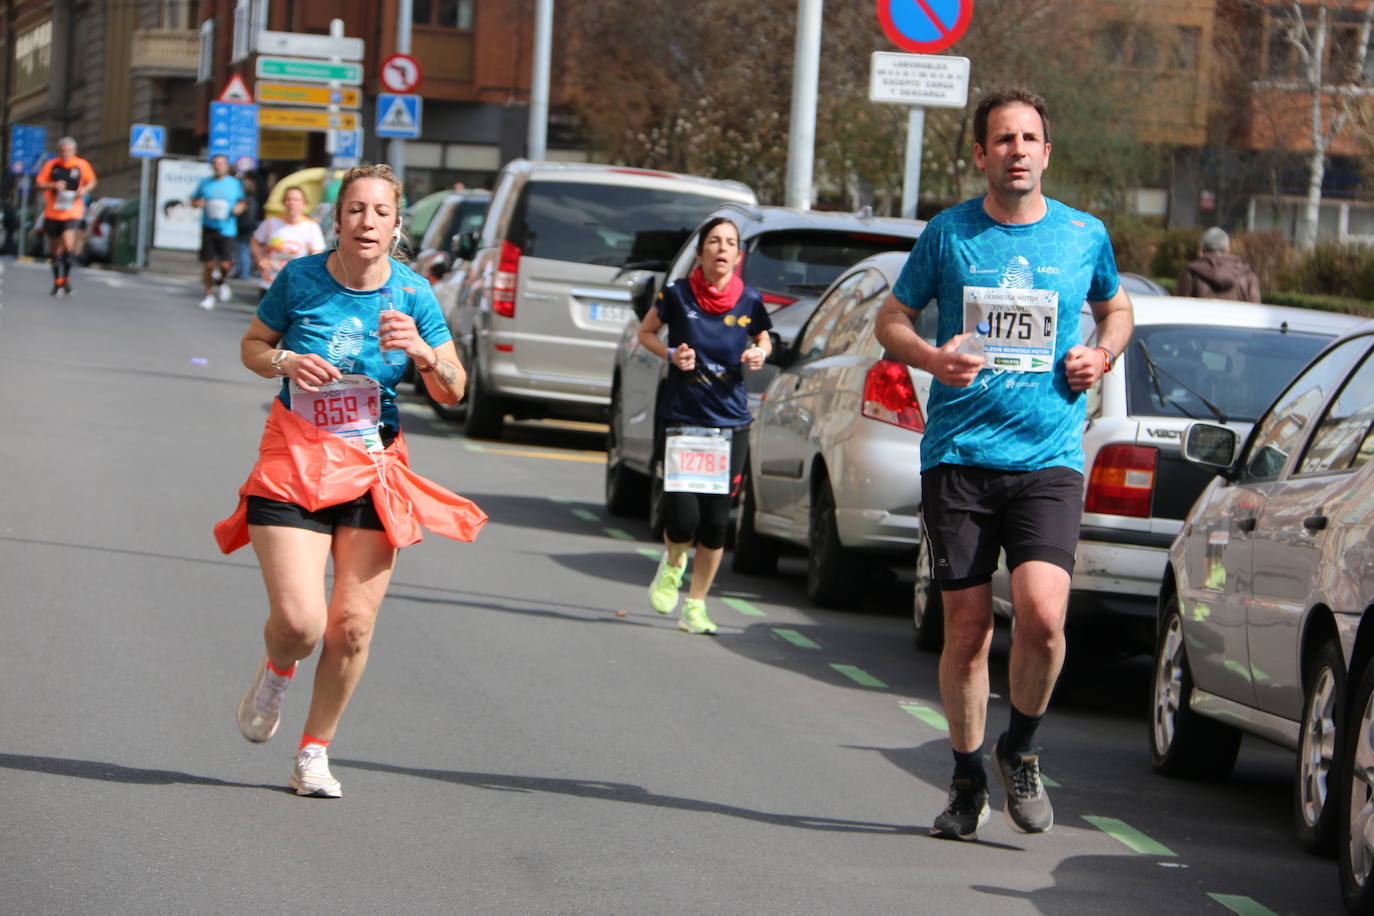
(278, 358)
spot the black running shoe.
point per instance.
(1028, 806)
(56, 288)
(67, 287)
(966, 811)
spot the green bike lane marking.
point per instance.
(1129, 837)
(1245, 906)
(796, 639)
(744, 607)
(586, 515)
(859, 676)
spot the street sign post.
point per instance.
(234, 133)
(307, 119)
(305, 44)
(398, 116)
(292, 94)
(400, 73)
(309, 71)
(146, 142)
(922, 28)
(345, 148)
(26, 158)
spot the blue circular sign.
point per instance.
(924, 26)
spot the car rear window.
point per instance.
(800, 262)
(1177, 371)
(466, 217)
(604, 224)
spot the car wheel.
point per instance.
(753, 554)
(1355, 800)
(1184, 744)
(833, 571)
(657, 522)
(486, 412)
(1318, 751)
(927, 609)
(627, 491)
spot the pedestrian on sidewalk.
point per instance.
(220, 198)
(332, 479)
(284, 238)
(717, 330)
(65, 182)
(1218, 274)
(1002, 454)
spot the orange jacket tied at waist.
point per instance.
(300, 464)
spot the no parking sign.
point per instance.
(924, 26)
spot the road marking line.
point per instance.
(744, 607)
(927, 715)
(585, 515)
(1128, 836)
(618, 534)
(858, 675)
(649, 552)
(796, 639)
(561, 500)
(1245, 906)
(529, 453)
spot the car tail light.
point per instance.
(890, 397)
(503, 286)
(777, 300)
(1122, 481)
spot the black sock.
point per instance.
(969, 765)
(66, 264)
(1020, 733)
(56, 267)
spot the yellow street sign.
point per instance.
(307, 119)
(282, 144)
(292, 94)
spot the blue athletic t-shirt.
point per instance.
(713, 393)
(317, 314)
(219, 195)
(1008, 420)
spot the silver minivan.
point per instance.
(550, 277)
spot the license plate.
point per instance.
(611, 314)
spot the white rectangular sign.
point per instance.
(176, 224)
(303, 44)
(928, 80)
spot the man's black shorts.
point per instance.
(360, 513)
(52, 228)
(973, 514)
(215, 247)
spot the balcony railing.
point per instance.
(165, 52)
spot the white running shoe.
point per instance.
(225, 293)
(208, 302)
(311, 777)
(260, 709)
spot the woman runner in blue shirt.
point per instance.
(717, 329)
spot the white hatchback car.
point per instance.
(1189, 359)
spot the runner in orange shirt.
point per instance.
(64, 181)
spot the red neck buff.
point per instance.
(712, 300)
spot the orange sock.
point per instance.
(309, 739)
(287, 673)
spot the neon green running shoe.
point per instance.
(694, 619)
(668, 579)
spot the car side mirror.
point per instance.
(781, 354)
(1211, 446)
(642, 292)
(438, 267)
(465, 245)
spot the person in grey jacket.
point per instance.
(1218, 274)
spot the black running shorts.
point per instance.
(215, 247)
(360, 513)
(55, 227)
(973, 514)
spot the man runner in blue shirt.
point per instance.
(1002, 455)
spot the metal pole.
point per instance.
(397, 148)
(24, 182)
(915, 139)
(141, 255)
(801, 147)
(539, 80)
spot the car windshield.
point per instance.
(466, 217)
(612, 225)
(1188, 370)
(798, 263)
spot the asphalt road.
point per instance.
(517, 745)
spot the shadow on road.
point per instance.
(631, 794)
(113, 772)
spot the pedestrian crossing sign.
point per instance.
(398, 116)
(147, 141)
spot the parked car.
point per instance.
(1188, 359)
(417, 215)
(835, 447)
(550, 290)
(1139, 285)
(102, 222)
(1263, 606)
(460, 212)
(791, 256)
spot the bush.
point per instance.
(1174, 248)
(1270, 253)
(1331, 269)
(1320, 303)
(1133, 243)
